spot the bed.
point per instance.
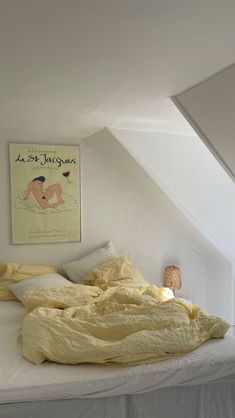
(200, 384)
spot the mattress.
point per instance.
(22, 381)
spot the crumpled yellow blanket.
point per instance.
(126, 324)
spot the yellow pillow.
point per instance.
(14, 273)
(115, 272)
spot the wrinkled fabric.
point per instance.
(21, 381)
(60, 296)
(14, 273)
(116, 272)
(124, 325)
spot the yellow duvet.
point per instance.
(122, 325)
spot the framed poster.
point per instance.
(45, 193)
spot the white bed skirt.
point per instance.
(213, 400)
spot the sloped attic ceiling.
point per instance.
(70, 67)
(194, 180)
(210, 108)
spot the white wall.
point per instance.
(192, 177)
(121, 203)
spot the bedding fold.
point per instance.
(123, 325)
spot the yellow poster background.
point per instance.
(45, 193)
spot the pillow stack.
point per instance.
(79, 269)
(101, 268)
(14, 273)
(16, 279)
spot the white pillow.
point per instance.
(38, 282)
(79, 269)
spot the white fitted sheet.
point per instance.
(22, 381)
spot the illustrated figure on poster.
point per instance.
(39, 200)
(35, 187)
